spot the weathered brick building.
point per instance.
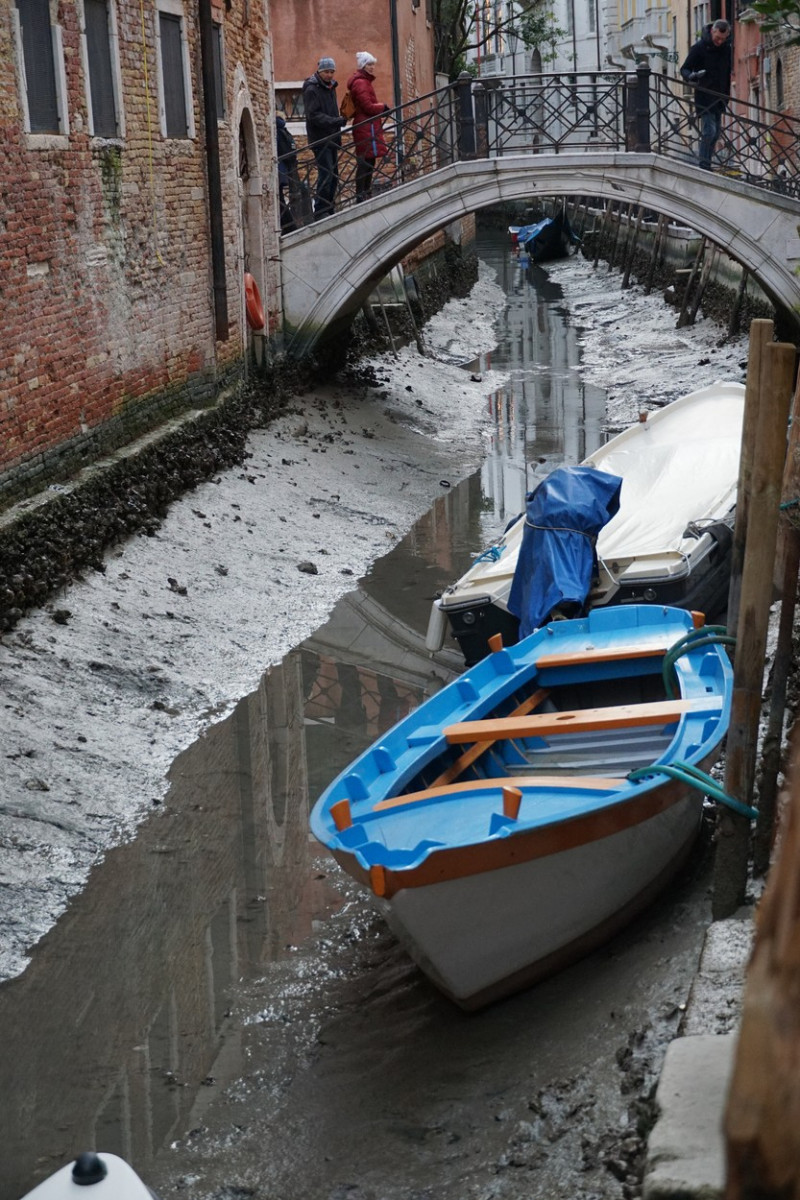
(125, 231)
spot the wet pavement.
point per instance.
(220, 1005)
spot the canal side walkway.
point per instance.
(686, 1149)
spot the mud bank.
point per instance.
(120, 670)
(50, 539)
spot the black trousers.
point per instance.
(364, 169)
(327, 156)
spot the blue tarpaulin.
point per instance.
(549, 238)
(556, 558)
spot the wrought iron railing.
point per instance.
(756, 145)
(421, 136)
(554, 114)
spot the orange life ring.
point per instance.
(253, 305)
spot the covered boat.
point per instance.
(669, 542)
(550, 238)
(527, 810)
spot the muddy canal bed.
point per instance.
(189, 983)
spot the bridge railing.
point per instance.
(757, 145)
(634, 111)
(421, 136)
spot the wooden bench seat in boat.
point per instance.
(580, 720)
(599, 654)
(585, 782)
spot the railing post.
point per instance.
(466, 116)
(480, 99)
(637, 121)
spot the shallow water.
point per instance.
(222, 948)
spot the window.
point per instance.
(219, 70)
(41, 61)
(780, 98)
(101, 68)
(289, 97)
(177, 120)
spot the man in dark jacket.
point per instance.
(287, 172)
(323, 126)
(708, 69)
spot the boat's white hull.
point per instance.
(485, 935)
(102, 1176)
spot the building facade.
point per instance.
(127, 219)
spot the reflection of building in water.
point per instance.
(546, 415)
(122, 1013)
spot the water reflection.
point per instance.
(547, 414)
(123, 1015)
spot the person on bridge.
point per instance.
(708, 69)
(324, 129)
(367, 127)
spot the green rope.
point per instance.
(706, 635)
(789, 504)
(694, 777)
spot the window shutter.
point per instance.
(40, 67)
(172, 73)
(98, 46)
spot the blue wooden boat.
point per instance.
(531, 807)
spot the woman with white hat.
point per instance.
(367, 127)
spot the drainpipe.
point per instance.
(398, 95)
(213, 172)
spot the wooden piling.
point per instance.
(733, 324)
(631, 251)
(762, 1116)
(788, 561)
(601, 235)
(761, 332)
(612, 258)
(712, 254)
(690, 278)
(660, 227)
(730, 862)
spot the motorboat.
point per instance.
(528, 809)
(96, 1176)
(669, 542)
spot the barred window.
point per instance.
(39, 67)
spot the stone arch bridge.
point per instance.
(329, 268)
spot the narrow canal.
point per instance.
(221, 1007)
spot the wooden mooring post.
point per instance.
(787, 566)
(762, 1117)
(775, 377)
(761, 332)
(661, 226)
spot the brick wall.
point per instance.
(105, 247)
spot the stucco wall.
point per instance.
(302, 33)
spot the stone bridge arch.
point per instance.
(328, 269)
